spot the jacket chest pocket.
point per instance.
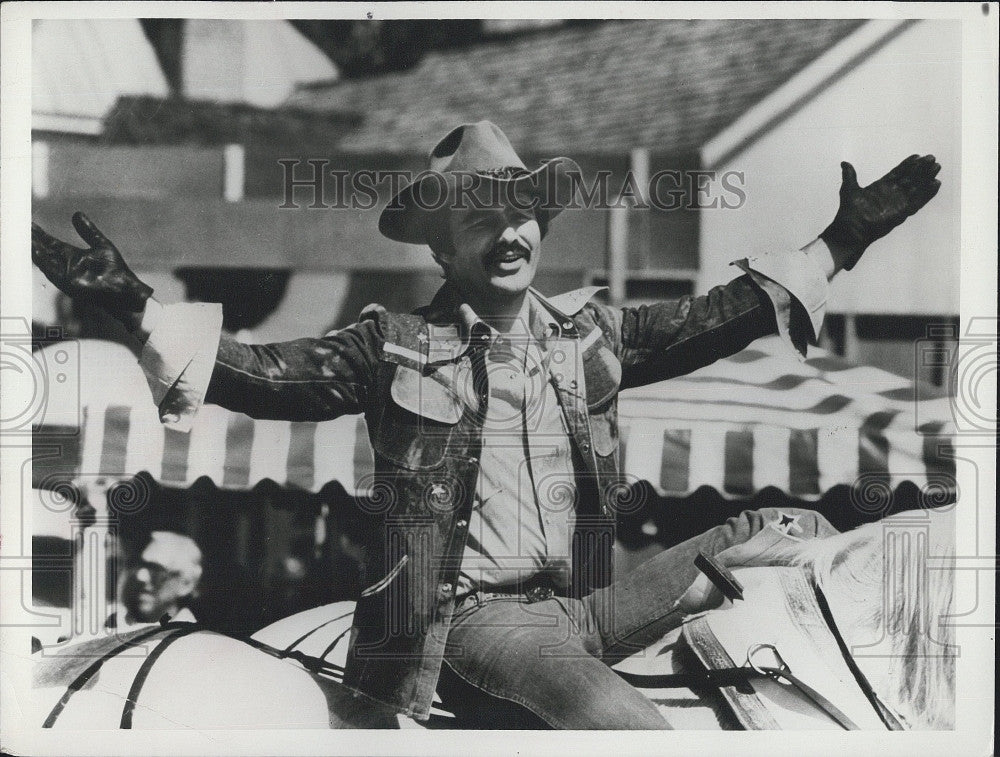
(603, 374)
(417, 419)
(604, 428)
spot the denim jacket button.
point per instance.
(445, 592)
(462, 523)
(572, 384)
(585, 446)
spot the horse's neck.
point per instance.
(887, 601)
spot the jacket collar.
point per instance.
(565, 306)
(453, 326)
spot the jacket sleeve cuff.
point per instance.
(797, 287)
(178, 360)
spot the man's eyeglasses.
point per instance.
(157, 573)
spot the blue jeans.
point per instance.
(511, 663)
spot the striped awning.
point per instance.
(761, 418)
(758, 419)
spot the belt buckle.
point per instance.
(539, 594)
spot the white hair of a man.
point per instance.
(180, 553)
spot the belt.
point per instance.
(535, 589)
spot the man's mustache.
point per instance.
(502, 248)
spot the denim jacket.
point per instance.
(401, 371)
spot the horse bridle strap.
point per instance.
(94, 668)
(781, 670)
(702, 679)
(892, 722)
(144, 670)
(738, 676)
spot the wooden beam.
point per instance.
(639, 165)
(233, 173)
(852, 345)
(617, 254)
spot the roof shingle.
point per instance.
(610, 87)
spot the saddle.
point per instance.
(800, 673)
(777, 659)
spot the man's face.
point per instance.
(495, 252)
(155, 585)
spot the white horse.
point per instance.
(886, 598)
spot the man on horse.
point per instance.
(492, 412)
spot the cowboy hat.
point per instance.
(478, 153)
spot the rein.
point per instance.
(740, 676)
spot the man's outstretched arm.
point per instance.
(187, 361)
(783, 292)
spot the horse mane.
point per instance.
(885, 597)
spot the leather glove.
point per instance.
(869, 213)
(96, 275)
